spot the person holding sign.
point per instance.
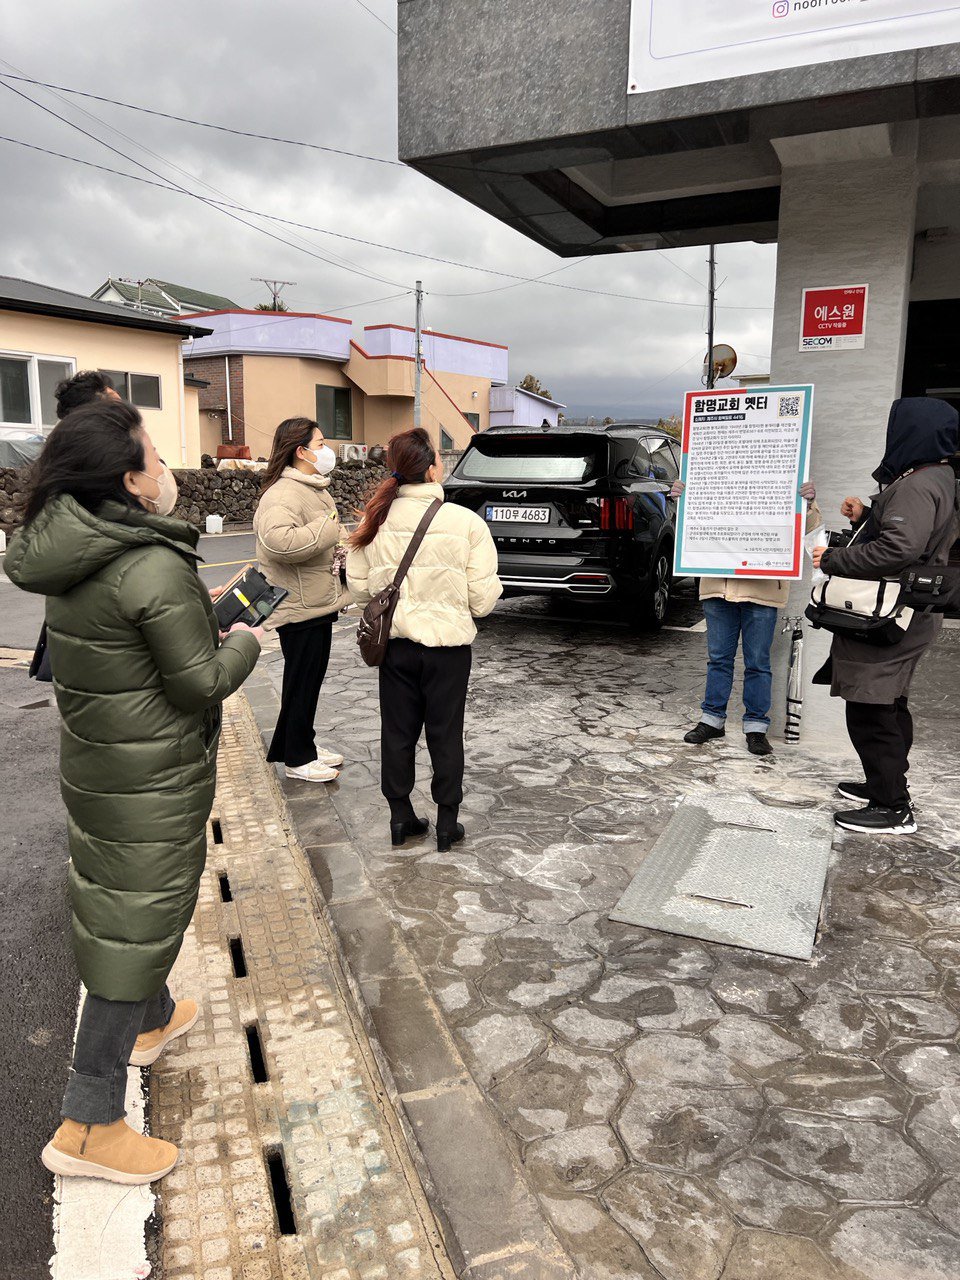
(742, 612)
(740, 525)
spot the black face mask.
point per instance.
(920, 430)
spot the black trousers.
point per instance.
(306, 652)
(422, 687)
(882, 734)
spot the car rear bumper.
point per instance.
(546, 575)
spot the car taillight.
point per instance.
(616, 513)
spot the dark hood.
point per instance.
(919, 430)
(66, 544)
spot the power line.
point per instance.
(231, 209)
(205, 124)
(376, 16)
(214, 204)
(97, 120)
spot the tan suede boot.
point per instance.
(151, 1044)
(114, 1152)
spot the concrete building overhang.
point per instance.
(528, 117)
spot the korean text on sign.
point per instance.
(745, 456)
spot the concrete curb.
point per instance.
(492, 1223)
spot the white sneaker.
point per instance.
(332, 758)
(315, 771)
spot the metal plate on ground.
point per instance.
(728, 869)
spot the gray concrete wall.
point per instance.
(493, 73)
(825, 212)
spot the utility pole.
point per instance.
(711, 312)
(276, 287)
(418, 355)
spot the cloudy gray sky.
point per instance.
(323, 72)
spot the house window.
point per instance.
(27, 386)
(474, 420)
(334, 412)
(141, 389)
(446, 440)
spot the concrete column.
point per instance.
(847, 214)
(847, 217)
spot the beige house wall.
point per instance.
(102, 346)
(278, 387)
(388, 386)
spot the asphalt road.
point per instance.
(21, 615)
(39, 991)
(40, 988)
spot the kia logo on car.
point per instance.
(514, 493)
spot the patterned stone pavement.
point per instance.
(679, 1109)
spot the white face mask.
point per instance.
(167, 492)
(324, 459)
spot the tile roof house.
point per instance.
(161, 296)
(47, 334)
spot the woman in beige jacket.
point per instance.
(298, 530)
(423, 678)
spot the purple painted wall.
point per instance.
(511, 407)
(442, 352)
(266, 333)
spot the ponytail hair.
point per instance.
(410, 455)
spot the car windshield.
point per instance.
(511, 458)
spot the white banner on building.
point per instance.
(680, 42)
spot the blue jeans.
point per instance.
(727, 622)
(106, 1035)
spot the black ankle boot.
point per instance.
(404, 822)
(449, 830)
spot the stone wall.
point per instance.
(231, 494)
(205, 491)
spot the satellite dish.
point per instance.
(724, 361)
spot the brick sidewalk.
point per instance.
(275, 1091)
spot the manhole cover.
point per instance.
(730, 870)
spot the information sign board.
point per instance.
(745, 455)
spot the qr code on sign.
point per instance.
(788, 407)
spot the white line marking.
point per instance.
(99, 1227)
(697, 626)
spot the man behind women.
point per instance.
(140, 677)
(912, 519)
(298, 528)
(423, 678)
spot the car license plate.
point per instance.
(518, 515)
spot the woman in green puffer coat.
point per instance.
(140, 675)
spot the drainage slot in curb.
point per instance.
(258, 1063)
(226, 893)
(217, 831)
(280, 1190)
(238, 958)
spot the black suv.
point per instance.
(577, 511)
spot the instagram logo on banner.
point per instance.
(781, 8)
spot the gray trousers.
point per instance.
(105, 1038)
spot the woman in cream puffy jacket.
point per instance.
(423, 678)
(298, 530)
